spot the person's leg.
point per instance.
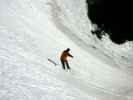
(67, 65)
(63, 64)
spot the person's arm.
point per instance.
(70, 55)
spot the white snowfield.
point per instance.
(33, 31)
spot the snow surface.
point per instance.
(31, 31)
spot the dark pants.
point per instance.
(65, 63)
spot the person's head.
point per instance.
(68, 49)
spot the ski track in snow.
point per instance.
(32, 31)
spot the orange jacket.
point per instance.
(64, 55)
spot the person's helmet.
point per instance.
(68, 49)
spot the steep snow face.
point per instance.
(31, 31)
(76, 14)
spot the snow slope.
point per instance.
(31, 31)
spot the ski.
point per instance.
(53, 62)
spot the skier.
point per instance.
(65, 54)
